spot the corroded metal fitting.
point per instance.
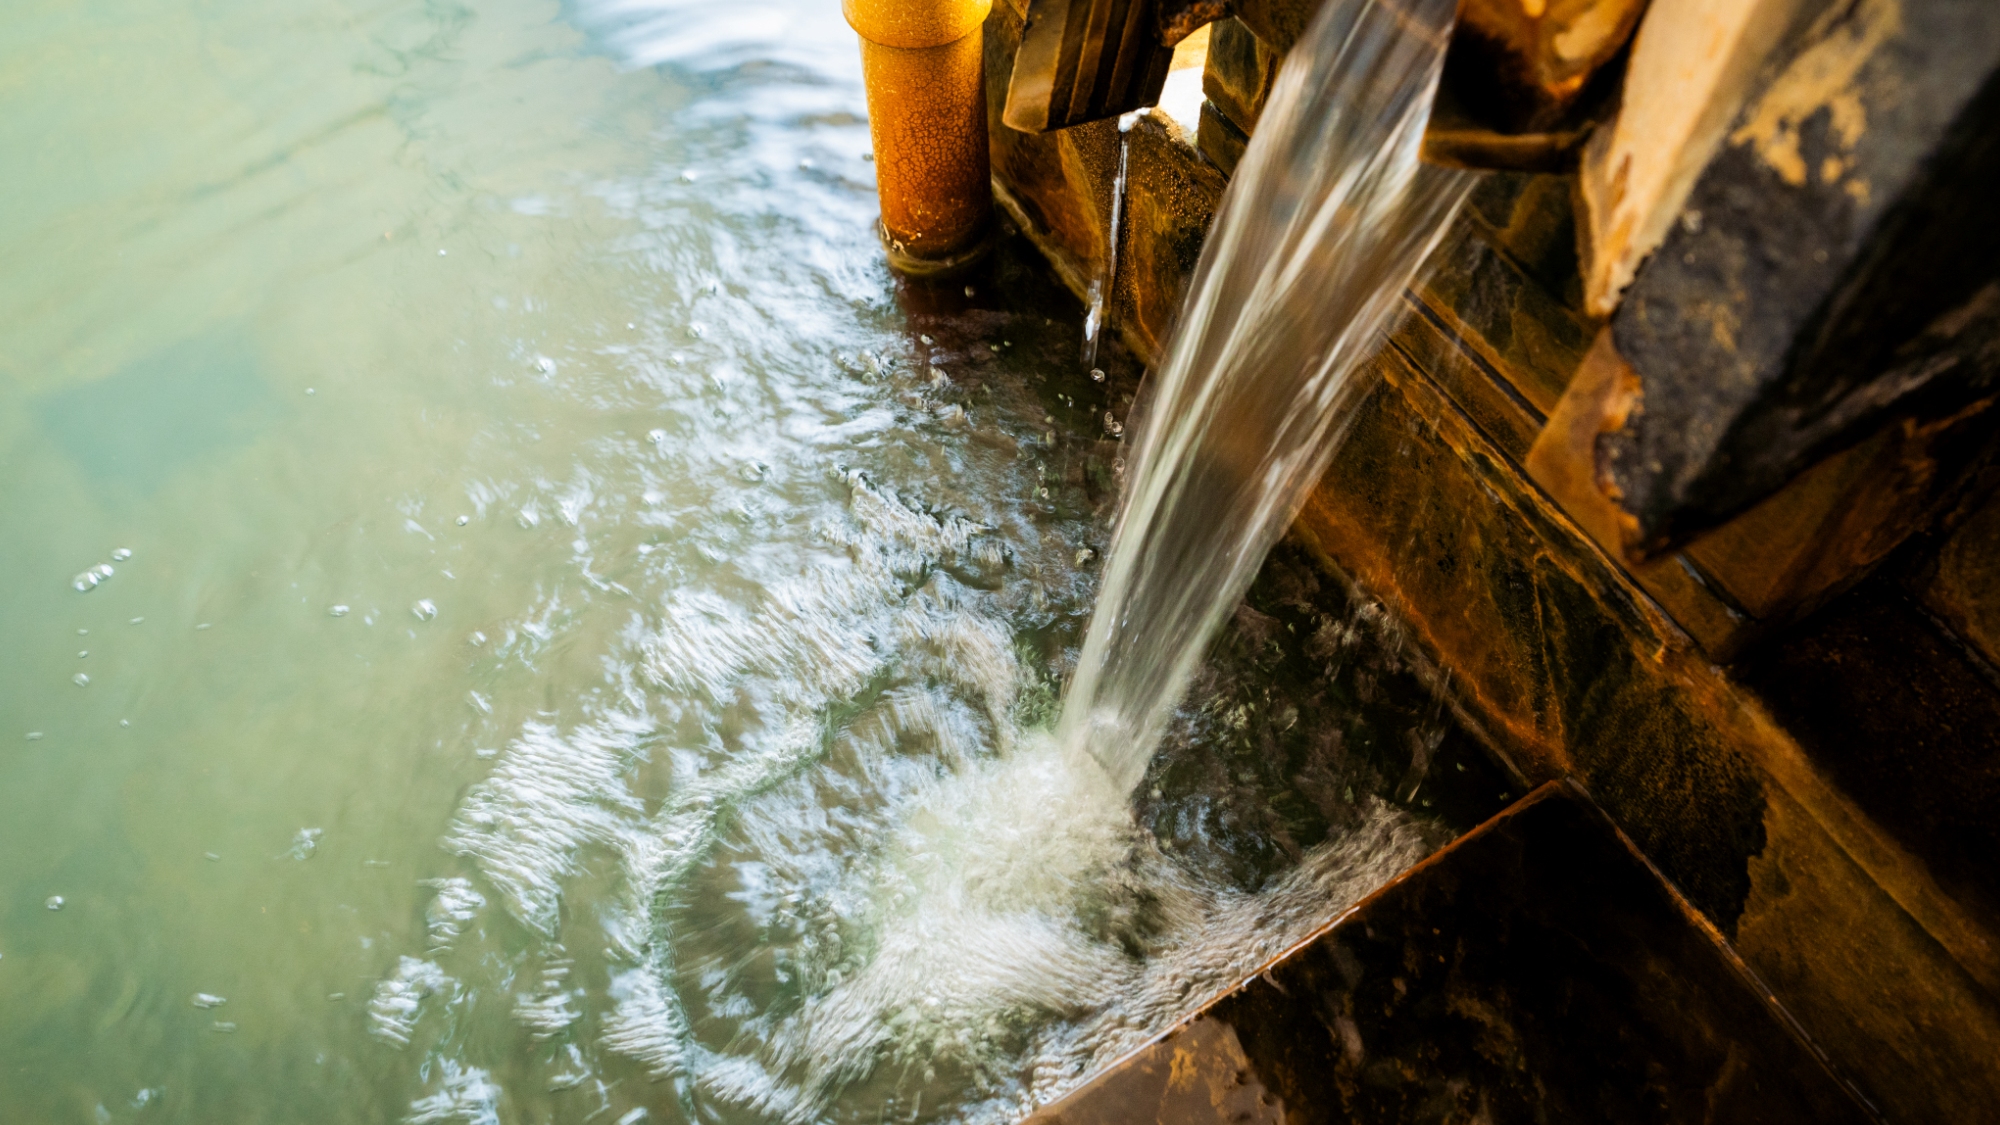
(923, 64)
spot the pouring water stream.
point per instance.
(1327, 220)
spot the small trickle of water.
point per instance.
(1326, 222)
(1102, 288)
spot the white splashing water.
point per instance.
(398, 999)
(466, 1095)
(1326, 222)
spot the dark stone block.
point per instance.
(1239, 73)
(1535, 971)
(1959, 583)
(1531, 340)
(1279, 23)
(1221, 142)
(1829, 271)
(1559, 660)
(1905, 720)
(1532, 219)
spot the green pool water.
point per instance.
(562, 636)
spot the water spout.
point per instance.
(1327, 221)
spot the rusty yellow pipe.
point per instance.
(922, 63)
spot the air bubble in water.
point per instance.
(305, 843)
(80, 680)
(55, 902)
(121, 554)
(545, 365)
(336, 611)
(477, 638)
(206, 1000)
(425, 609)
(34, 736)
(463, 520)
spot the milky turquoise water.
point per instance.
(588, 639)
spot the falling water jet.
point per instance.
(1326, 222)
